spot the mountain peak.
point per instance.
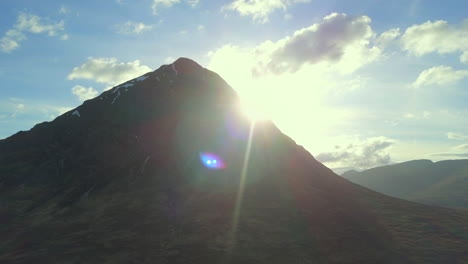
(187, 64)
(184, 66)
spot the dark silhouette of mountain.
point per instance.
(443, 183)
(119, 179)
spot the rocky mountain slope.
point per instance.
(123, 179)
(443, 183)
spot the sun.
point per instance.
(254, 112)
(257, 104)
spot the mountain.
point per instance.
(130, 177)
(349, 173)
(443, 183)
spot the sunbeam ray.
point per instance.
(240, 192)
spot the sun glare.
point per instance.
(257, 104)
(254, 112)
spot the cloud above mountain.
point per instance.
(84, 93)
(339, 42)
(108, 70)
(362, 154)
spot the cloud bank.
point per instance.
(339, 43)
(339, 39)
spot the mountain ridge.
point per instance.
(439, 183)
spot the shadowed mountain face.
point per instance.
(120, 180)
(443, 183)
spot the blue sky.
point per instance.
(358, 83)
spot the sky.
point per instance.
(359, 84)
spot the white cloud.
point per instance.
(464, 57)
(50, 111)
(260, 10)
(387, 37)
(200, 27)
(422, 115)
(84, 93)
(165, 3)
(169, 60)
(450, 154)
(339, 43)
(437, 36)
(63, 10)
(157, 4)
(193, 3)
(16, 107)
(461, 147)
(457, 136)
(35, 24)
(440, 75)
(11, 40)
(339, 40)
(361, 154)
(29, 23)
(135, 28)
(108, 70)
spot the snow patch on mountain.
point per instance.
(115, 98)
(126, 85)
(174, 68)
(141, 78)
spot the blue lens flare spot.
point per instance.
(212, 161)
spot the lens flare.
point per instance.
(212, 161)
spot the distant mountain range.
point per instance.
(442, 183)
(165, 169)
